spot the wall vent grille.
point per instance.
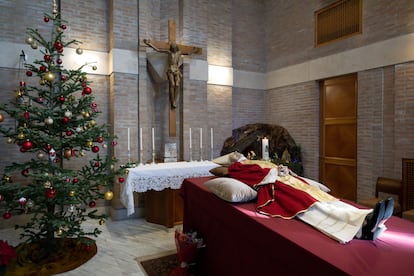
(337, 21)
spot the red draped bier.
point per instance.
(275, 199)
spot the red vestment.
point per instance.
(275, 199)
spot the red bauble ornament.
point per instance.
(46, 19)
(100, 139)
(97, 164)
(48, 147)
(69, 132)
(63, 27)
(7, 215)
(88, 247)
(95, 149)
(60, 50)
(51, 193)
(61, 99)
(92, 204)
(42, 68)
(22, 149)
(1, 197)
(40, 99)
(47, 57)
(27, 145)
(58, 45)
(25, 172)
(29, 73)
(121, 180)
(26, 115)
(75, 180)
(65, 120)
(59, 61)
(87, 90)
(22, 84)
(63, 78)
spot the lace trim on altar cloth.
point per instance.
(159, 183)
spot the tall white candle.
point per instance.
(191, 143)
(211, 138)
(153, 139)
(265, 149)
(201, 137)
(140, 138)
(129, 139)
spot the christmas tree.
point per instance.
(54, 122)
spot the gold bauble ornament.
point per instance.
(40, 155)
(72, 193)
(1, 117)
(92, 122)
(86, 114)
(79, 51)
(101, 222)
(67, 153)
(7, 178)
(29, 40)
(34, 45)
(108, 195)
(59, 232)
(47, 185)
(94, 68)
(49, 76)
(81, 153)
(19, 93)
(9, 140)
(89, 144)
(20, 136)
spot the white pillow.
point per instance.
(229, 158)
(230, 189)
(316, 184)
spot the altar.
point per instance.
(161, 183)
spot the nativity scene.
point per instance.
(174, 138)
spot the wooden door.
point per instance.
(338, 135)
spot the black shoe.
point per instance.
(372, 221)
(389, 210)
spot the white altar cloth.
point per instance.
(160, 176)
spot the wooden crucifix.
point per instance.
(175, 52)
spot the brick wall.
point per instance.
(290, 29)
(296, 108)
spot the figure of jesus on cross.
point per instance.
(175, 60)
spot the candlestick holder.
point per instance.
(201, 154)
(153, 156)
(211, 153)
(191, 154)
(140, 157)
(129, 156)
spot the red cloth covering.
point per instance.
(273, 199)
(242, 242)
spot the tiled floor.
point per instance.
(118, 245)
